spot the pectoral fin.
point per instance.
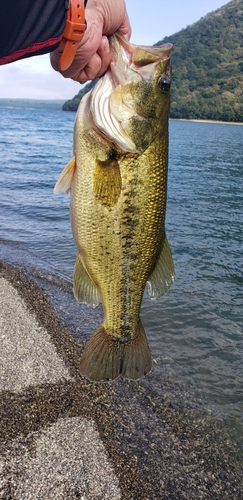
(107, 182)
(83, 288)
(163, 274)
(64, 182)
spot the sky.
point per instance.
(151, 20)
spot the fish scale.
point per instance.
(118, 203)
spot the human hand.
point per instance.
(104, 17)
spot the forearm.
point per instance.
(30, 27)
(34, 27)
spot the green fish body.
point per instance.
(118, 184)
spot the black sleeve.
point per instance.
(30, 27)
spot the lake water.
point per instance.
(196, 330)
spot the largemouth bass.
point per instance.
(118, 184)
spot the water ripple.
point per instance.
(196, 329)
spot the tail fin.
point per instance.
(105, 358)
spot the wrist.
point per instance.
(73, 33)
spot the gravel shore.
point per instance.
(64, 438)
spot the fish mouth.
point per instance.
(140, 59)
(108, 110)
(107, 119)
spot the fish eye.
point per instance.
(164, 84)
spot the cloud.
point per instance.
(35, 78)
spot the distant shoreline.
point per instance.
(205, 121)
(56, 104)
(36, 104)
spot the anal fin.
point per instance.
(163, 274)
(83, 288)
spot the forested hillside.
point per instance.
(72, 104)
(207, 63)
(208, 66)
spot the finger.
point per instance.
(97, 65)
(105, 55)
(125, 28)
(86, 52)
(90, 71)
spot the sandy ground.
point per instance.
(65, 438)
